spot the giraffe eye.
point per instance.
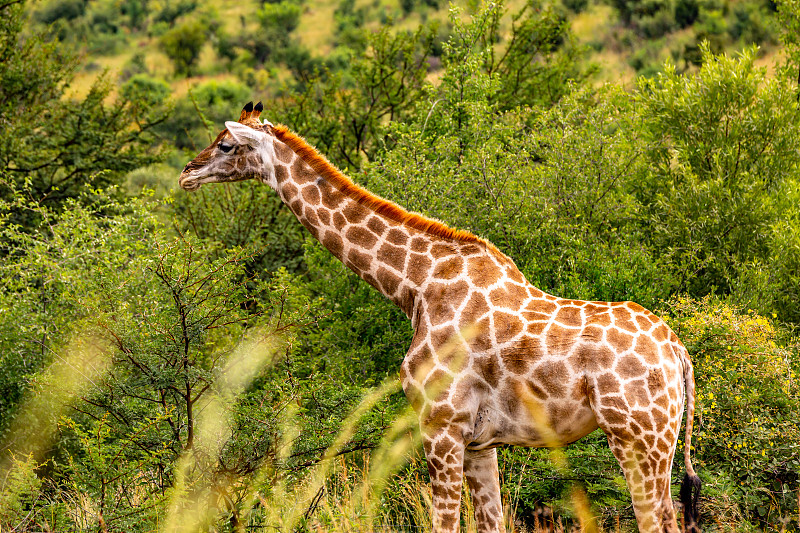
(225, 147)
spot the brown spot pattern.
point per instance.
(394, 256)
(616, 352)
(376, 225)
(419, 244)
(311, 195)
(449, 269)
(506, 326)
(482, 271)
(396, 236)
(355, 213)
(361, 237)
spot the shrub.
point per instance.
(751, 24)
(281, 17)
(748, 404)
(182, 45)
(216, 101)
(724, 147)
(576, 6)
(60, 9)
(686, 12)
(171, 311)
(142, 87)
(174, 9)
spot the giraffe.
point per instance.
(579, 365)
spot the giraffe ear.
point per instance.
(243, 134)
(246, 111)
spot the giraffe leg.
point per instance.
(445, 456)
(480, 469)
(647, 473)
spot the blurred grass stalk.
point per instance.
(194, 499)
(579, 500)
(198, 502)
(291, 509)
(83, 362)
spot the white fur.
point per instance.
(244, 134)
(266, 149)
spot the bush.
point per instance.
(281, 17)
(182, 45)
(55, 145)
(174, 9)
(686, 12)
(748, 404)
(724, 145)
(171, 311)
(216, 101)
(60, 9)
(656, 25)
(576, 6)
(150, 91)
(751, 24)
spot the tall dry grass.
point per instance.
(338, 494)
(77, 367)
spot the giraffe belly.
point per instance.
(536, 425)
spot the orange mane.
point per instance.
(375, 203)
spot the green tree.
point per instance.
(195, 121)
(539, 58)
(59, 145)
(725, 155)
(789, 17)
(183, 44)
(344, 114)
(176, 311)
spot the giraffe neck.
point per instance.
(384, 252)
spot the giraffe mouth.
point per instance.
(189, 183)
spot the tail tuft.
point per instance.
(691, 484)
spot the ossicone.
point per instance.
(247, 110)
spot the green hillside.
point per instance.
(176, 361)
(186, 39)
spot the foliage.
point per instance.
(174, 317)
(192, 123)
(747, 405)
(540, 56)
(728, 159)
(789, 17)
(60, 145)
(246, 215)
(549, 183)
(344, 116)
(183, 44)
(174, 9)
(145, 89)
(60, 9)
(364, 327)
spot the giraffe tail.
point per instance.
(690, 487)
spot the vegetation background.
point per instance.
(177, 362)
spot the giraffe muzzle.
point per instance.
(188, 182)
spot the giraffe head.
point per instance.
(243, 150)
